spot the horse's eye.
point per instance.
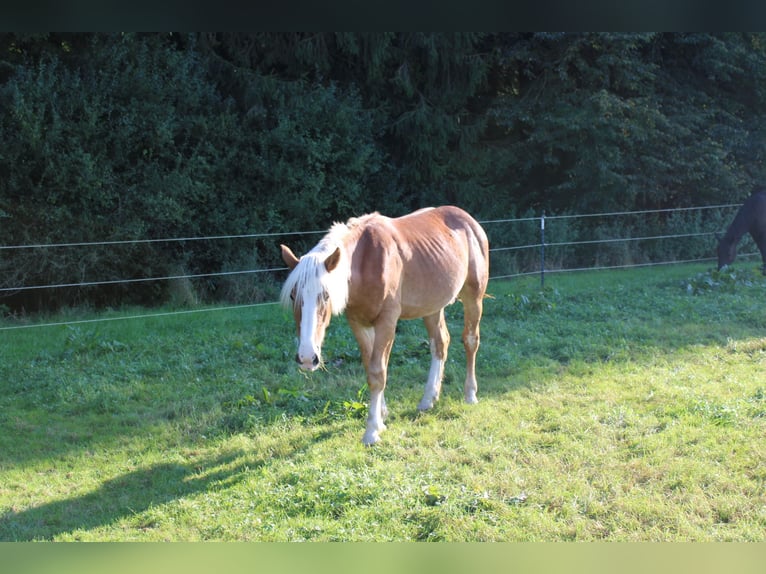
(325, 296)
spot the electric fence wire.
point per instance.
(20, 288)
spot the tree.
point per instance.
(586, 122)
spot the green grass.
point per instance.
(626, 405)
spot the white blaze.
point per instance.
(307, 347)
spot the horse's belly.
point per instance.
(427, 300)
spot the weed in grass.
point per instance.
(727, 280)
(519, 305)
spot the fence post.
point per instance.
(542, 251)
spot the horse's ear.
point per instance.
(288, 257)
(332, 261)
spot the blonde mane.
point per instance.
(310, 278)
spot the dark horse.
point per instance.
(751, 218)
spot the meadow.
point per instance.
(621, 405)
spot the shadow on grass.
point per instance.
(134, 493)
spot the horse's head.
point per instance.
(727, 252)
(314, 294)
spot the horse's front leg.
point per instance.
(365, 337)
(760, 241)
(377, 370)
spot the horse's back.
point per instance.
(433, 223)
(430, 231)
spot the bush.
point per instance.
(129, 138)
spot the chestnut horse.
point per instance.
(378, 270)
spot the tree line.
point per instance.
(119, 136)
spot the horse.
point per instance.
(751, 218)
(377, 270)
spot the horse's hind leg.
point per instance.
(439, 339)
(472, 310)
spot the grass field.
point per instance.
(625, 405)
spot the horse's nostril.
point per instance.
(315, 361)
(297, 358)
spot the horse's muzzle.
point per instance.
(307, 365)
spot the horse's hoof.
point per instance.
(471, 400)
(370, 439)
(425, 405)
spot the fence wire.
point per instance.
(539, 245)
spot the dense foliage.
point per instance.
(114, 137)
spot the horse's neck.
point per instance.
(732, 236)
